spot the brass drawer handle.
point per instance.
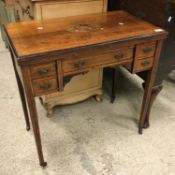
(147, 49)
(119, 56)
(145, 63)
(79, 64)
(43, 72)
(45, 86)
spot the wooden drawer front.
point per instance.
(44, 86)
(143, 64)
(78, 65)
(146, 50)
(44, 70)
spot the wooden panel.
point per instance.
(44, 86)
(43, 70)
(79, 64)
(58, 9)
(143, 64)
(146, 50)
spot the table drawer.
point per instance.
(44, 86)
(146, 50)
(143, 64)
(76, 65)
(43, 70)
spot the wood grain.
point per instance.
(117, 57)
(43, 36)
(146, 50)
(43, 70)
(143, 64)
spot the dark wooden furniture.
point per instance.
(162, 14)
(52, 51)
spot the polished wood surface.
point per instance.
(80, 44)
(67, 33)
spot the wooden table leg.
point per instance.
(149, 83)
(22, 94)
(155, 92)
(33, 113)
(114, 83)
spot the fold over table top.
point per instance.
(30, 38)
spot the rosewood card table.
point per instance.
(52, 51)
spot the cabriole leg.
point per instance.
(155, 91)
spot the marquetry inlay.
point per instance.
(85, 27)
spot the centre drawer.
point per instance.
(70, 65)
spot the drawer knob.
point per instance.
(45, 86)
(119, 56)
(145, 63)
(79, 64)
(43, 72)
(147, 49)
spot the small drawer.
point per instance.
(44, 70)
(146, 50)
(43, 86)
(76, 65)
(143, 64)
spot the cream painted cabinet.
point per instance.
(45, 9)
(82, 86)
(62, 8)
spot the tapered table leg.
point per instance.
(35, 125)
(22, 94)
(33, 113)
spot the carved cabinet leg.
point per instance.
(155, 92)
(98, 98)
(33, 113)
(49, 109)
(22, 94)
